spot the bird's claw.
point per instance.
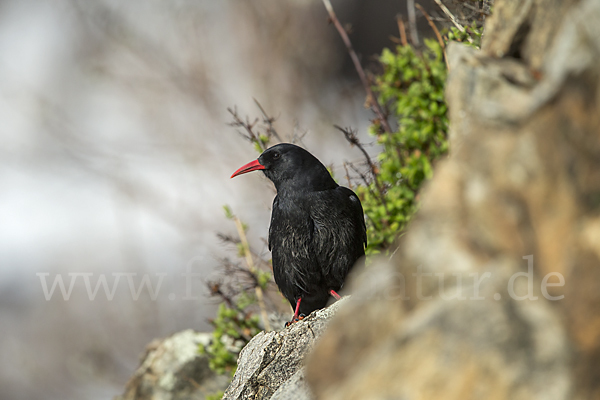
(296, 319)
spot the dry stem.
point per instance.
(353, 140)
(437, 34)
(450, 15)
(250, 262)
(402, 30)
(358, 66)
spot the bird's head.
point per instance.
(288, 165)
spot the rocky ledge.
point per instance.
(271, 366)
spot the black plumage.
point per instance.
(317, 230)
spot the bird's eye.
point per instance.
(276, 156)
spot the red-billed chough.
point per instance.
(317, 230)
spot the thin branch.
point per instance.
(359, 69)
(412, 22)
(268, 120)
(364, 178)
(450, 15)
(227, 238)
(353, 140)
(215, 289)
(453, 19)
(347, 175)
(477, 10)
(437, 34)
(235, 241)
(402, 30)
(298, 134)
(368, 186)
(247, 125)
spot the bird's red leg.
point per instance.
(296, 317)
(334, 294)
(297, 309)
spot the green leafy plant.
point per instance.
(412, 86)
(233, 329)
(471, 35)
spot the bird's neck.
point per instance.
(304, 184)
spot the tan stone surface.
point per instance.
(523, 178)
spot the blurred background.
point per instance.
(115, 158)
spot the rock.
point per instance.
(172, 369)
(270, 366)
(464, 310)
(294, 388)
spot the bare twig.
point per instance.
(236, 269)
(298, 134)
(347, 175)
(253, 133)
(478, 10)
(268, 120)
(228, 238)
(250, 133)
(215, 289)
(364, 178)
(248, 126)
(359, 69)
(450, 15)
(235, 241)
(437, 34)
(412, 22)
(353, 140)
(368, 186)
(402, 30)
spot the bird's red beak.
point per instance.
(251, 166)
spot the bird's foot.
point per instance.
(334, 294)
(295, 319)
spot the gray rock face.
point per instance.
(172, 369)
(270, 366)
(294, 388)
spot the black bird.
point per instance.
(317, 230)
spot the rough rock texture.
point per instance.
(294, 388)
(270, 366)
(460, 313)
(172, 369)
